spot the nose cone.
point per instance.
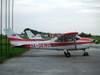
(95, 41)
(88, 39)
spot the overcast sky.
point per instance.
(57, 15)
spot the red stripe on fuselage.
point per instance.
(27, 45)
(15, 39)
(20, 39)
(59, 44)
(68, 43)
(87, 39)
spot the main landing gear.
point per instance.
(67, 54)
(85, 53)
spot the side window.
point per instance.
(66, 39)
(59, 40)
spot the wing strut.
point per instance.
(75, 42)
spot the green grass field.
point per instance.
(7, 51)
(96, 38)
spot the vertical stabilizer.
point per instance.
(32, 36)
(12, 36)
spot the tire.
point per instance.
(67, 54)
(85, 54)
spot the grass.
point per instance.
(7, 51)
(96, 38)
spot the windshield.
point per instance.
(77, 37)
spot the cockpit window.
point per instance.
(64, 39)
(67, 38)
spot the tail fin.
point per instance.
(12, 36)
(32, 36)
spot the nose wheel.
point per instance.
(67, 54)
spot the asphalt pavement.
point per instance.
(50, 62)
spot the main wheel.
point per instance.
(67, 54)
(85, 54)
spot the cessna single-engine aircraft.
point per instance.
(66, 42)
(33, 37)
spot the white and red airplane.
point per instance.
(33, 37)
(66, 42)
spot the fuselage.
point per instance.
(79, 44)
